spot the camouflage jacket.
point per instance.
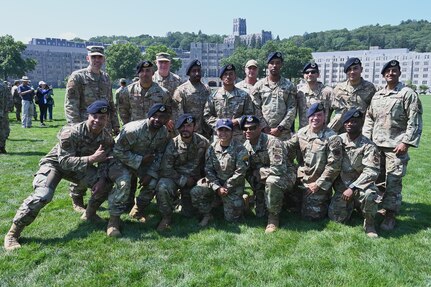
(135, 103)
(244, 86)
(321, 156)
(75, 144)
(306, 97)
(226, 168)
(170, 83)
(394, 117)
(83, 88)
(345, 97)
(118, 93)
(182, 160)
(5, 103)
(191, 99)
(136, 141)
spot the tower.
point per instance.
(239, 27)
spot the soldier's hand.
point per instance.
(170, 125)
(401, 149)
(312, 188)
(99, 155)
(222, 191)
(145, 180)
(347, 194)
(275, 132)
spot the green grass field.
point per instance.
(61, 250)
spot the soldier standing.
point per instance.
(394, 123)
(275, 96)
(225, 168)
(119, 92)
(182, 166)
(268, 174)
(320, 150)
(355, 92)
(163, 76)
(251, 70)
(83, 88)
(80, 146)
(355, 186)
(192, 96)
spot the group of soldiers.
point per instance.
(193, 149)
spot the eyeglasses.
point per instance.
(250, 128)
(311, 72)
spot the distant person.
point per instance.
(75, 158)
(312, 91)
(120, 91)
(163, 76)
(16, 99)
(251, 71)
(26, 92)
(354, 92)
(394, 123)
(50, 103)
(41, 99)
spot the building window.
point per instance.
(425, 69)
(424, 82)
(415, 76)
(425, 75)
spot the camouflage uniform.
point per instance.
(231, 105)
(4, 117)
(119, 93)
(345, 97)
(192, 99)
(180, 161)
(321, 156)
(268, 159)
(359, 170)
(137, 101)
(223, 168)
(277, 101)
(16, 102)
(243, 85)
(68, 160)
(170, 83)
(394, 117)
(307, 97)
(133, 143)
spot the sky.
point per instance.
(89, 18)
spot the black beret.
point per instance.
(143, 64)
(98, 107)
(274, 55)
(390, 64)
(228, 67)
(351, 62)
(310, 65)
(192, 64)
(157, 108)
(352, 113)
(314, 108)
(188, 118)
(250, 119)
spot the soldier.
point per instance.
(321, 153)
(355, 92)
(268, 174)
(275, 96)
(355, 186)
(138, 151)
(5, 105)
(119, 92)
(191, 97)
(80, 146)
(225, 168)
(26, 92)
(182, 166)
(16, 100)
(251, 70)
(312, 92)
(228, 102)
(163, 76)
(83, 88)
(394, 123)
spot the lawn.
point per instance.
(61, 250)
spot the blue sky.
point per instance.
(84, 19)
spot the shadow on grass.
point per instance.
(28, 153)
(24, 140)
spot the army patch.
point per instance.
(393, 63)
(162, 109)
(356, 61)
(313, 65)
(189, 120)
(278, 54)
(198, 63)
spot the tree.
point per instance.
(423, 89)
(240, 57)
(11, 62)
(410, 84)
(121, 60)
(150, 54)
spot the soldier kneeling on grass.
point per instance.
(73, 158)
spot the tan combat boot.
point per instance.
(369, 227)
(273, 222)
(78, 204)
(91, 215)
(388, 223)
(11, 238)
(138, 213)
(165, 223)
(113, 229)
(205, 220)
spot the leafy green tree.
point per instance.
(121, 60)
(12, 64)
(150, 54)
(240, 57)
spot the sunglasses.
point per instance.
(250, 128)
(311, 72)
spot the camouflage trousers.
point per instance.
(203, 198)
(122, 176)
(314, 205)
(392, 170)
(4, 130)
(341, 210)
(168, 196)
(45, 182)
